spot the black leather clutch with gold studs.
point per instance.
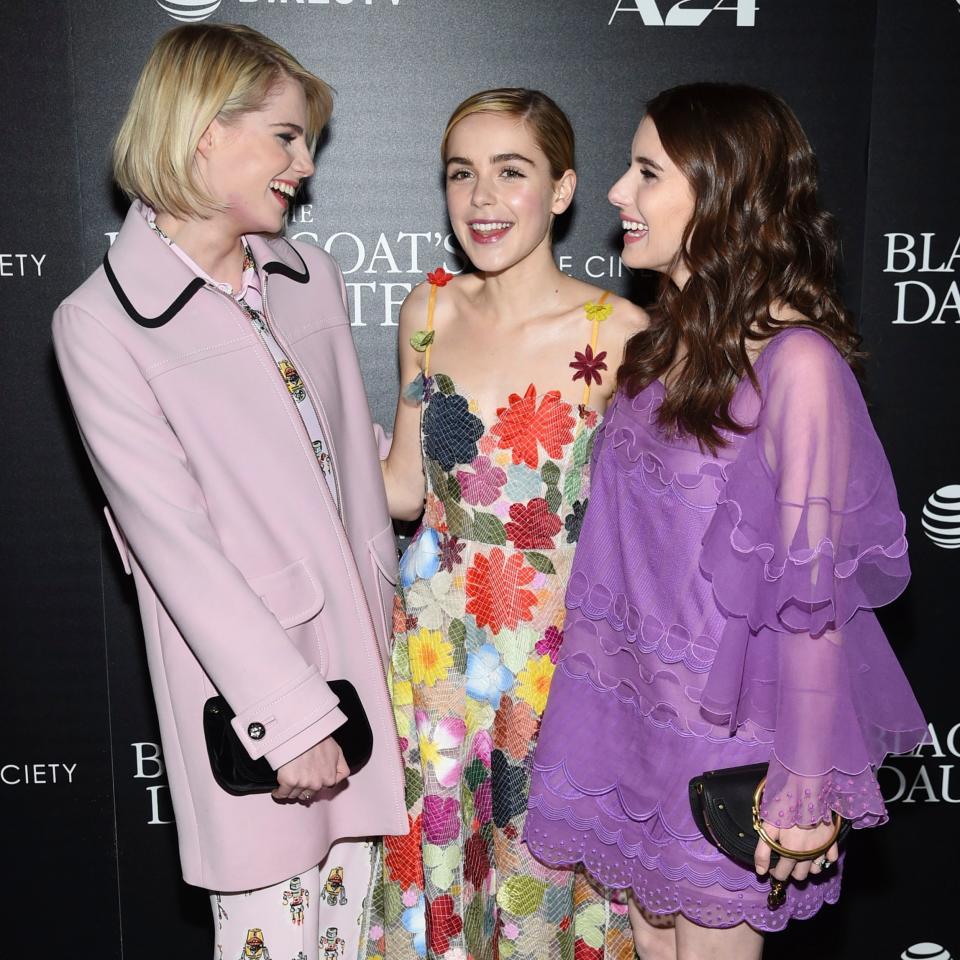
(726, 808)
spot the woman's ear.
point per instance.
(209, 137)
(563, 191)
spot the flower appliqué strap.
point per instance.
(422, 339)
(588, 363)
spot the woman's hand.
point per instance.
(319, 767)
(795, 838)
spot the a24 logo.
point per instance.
(685, 13)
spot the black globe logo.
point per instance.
(925, 951)
(941, 517)
(188, 11)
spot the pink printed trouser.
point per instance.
(313, 916)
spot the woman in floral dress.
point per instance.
(508, 374)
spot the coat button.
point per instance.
(256, 731)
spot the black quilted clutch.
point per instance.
(722, 802)
(237, 773)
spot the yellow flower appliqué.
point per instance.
(597, 311)
(431, 657)
(401, 693)
(533, 683)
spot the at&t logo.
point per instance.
(685, 13)
(941, 517)
(189, 11)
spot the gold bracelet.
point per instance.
(784, 851)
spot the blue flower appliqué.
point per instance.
(450, 430)
(487, 678)
(415, 921)
(421, 559)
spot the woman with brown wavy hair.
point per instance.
(743, 523)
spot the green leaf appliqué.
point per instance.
(540, 562)
(421, 340)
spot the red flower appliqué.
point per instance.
(588, 366)
(532, 526)
(442, 923)
(405, 856)
(523, 425)
(439, 277)
(476, 862)
(583, 951)
(495, 590)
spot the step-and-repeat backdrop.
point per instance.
(89, 856)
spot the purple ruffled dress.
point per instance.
(719, 614)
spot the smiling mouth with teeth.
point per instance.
(488, 231)
(283, 191)
(634, 230)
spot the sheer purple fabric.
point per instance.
(719, 613)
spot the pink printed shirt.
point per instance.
(250, 299)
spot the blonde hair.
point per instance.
(551, 128)
(195, 74)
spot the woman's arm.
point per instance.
(403, 467)
(807, 538)
(626, 320)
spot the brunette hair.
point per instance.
(549, 124)
(757, 236)
(194, 74)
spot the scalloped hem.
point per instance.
(647, 633)
(693, 915)
(663, 897)
(646, 851)
(646, 708)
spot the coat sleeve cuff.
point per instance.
(384, 441)
(306, 739)
(286, 713)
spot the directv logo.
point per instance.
(941, 517)
(189, 11)
(926, 951)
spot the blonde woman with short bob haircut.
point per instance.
(510, 368)
(211, 369)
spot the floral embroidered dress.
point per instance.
(477, 630)
(720, 614)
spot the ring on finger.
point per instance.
(306, 795)
(824, 862)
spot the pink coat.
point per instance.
(249, 583)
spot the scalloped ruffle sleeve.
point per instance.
(807, 539)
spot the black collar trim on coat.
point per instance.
(270, 266)
(152, 323)
(277, 266)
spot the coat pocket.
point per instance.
(293, 594)
(383, 558)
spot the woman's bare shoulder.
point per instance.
(627, 317)
(413, 313)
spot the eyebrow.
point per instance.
(292, 126)
(498, 158)
(648, 162)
